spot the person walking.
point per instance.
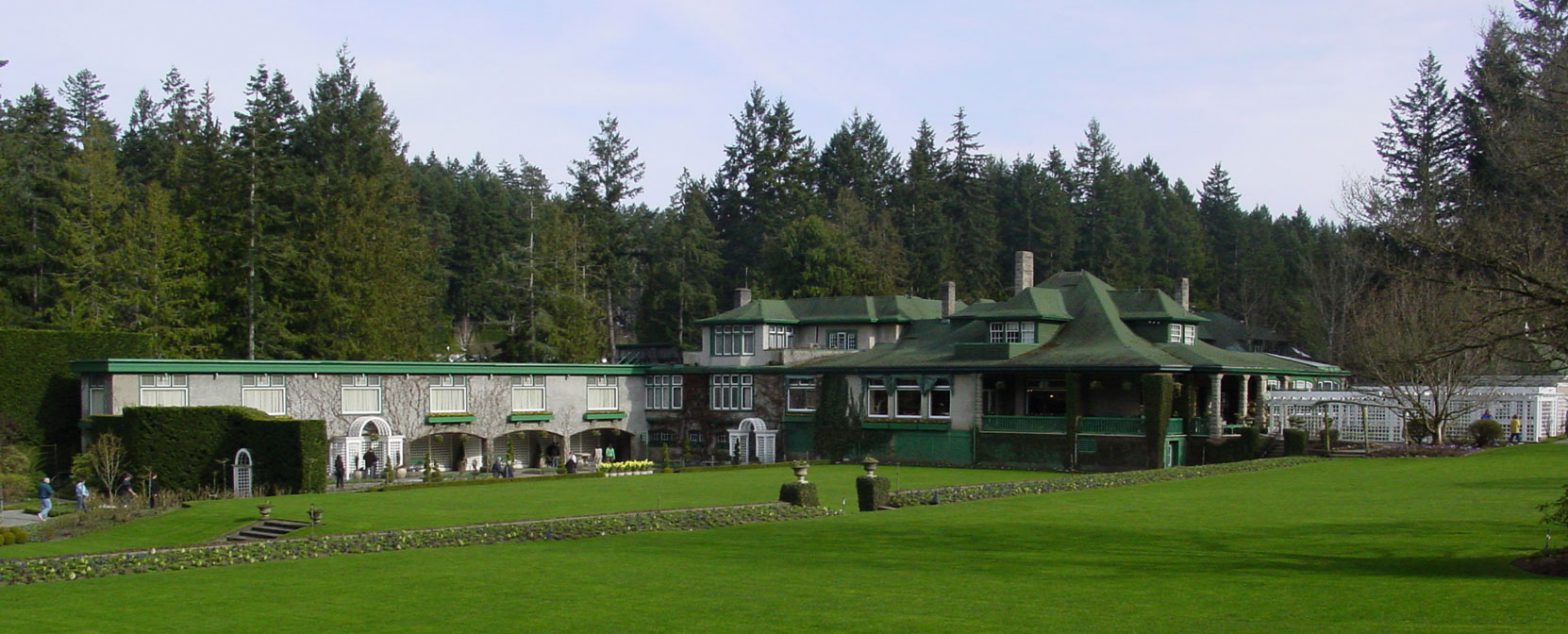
(81, 495)
(152, 489)
(338, 470)
(45, 499)
(1514, 429)
(123, 489)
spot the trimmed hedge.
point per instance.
(872, 492)
(799, 494)
(1295, 442)
(972, 492)
(38, 391)
(1158, 390)
(12, 535)
(185, 444)
(47, 569)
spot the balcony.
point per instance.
(1110, 426)
(1025, 424)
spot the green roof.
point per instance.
(1032, 304)
(1152, 305)
(884, 309)
(1096, 336)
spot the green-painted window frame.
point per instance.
(530, 417)
(604, 416)
(449, 419)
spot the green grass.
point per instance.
(1410, 545)
(513, 500)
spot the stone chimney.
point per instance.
(949, 299)
(1184, 294)
(1023, 271)
(742, 296)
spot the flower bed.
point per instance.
(971, 492)
(626, 467)
(45, 569)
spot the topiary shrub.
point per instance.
(799, 494)
(1485, 432)
(872, 492)
(1295, 442)
(1328, 435)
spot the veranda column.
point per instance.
(1241, 400)
(1216, 416)
(1263, 398)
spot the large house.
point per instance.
(1068, 372)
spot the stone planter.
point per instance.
(266, 510)
(800, 473)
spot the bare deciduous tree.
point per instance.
(107, 452)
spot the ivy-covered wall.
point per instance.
(38, 392)
(187, 446)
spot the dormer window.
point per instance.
(1012, 332)
(1176, 333)
(1182, 333)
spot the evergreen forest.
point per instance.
(302, 227)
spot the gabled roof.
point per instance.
(1152, 305)
(883, 309)
(1095, 336)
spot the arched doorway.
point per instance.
(600, 445)
(366, 435)
(753, 439)
(530, 449)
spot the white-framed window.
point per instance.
(266, 392)
(941, 399)
(361, 393)
(664, 391)
(780, 337)
(164, 390)
(661, 437)
(1300, 385)
(604, 393)
(1175, 333)
(694, 436)
(1189, 334)
(730, 392)
(1012, 332)
(528, 393)
(878, 405)
(733, 341)
(97, 395)
(448, 394)
(843, 340)
(801, 395)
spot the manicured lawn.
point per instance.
(1412, 545)
(514, 500)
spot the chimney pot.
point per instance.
(949, 299)
(1185, 294)
(742, 296)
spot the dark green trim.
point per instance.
(800, 417)
(604, 416)
(530, 418)
(1024, 424)
(921, 425)
(449, 419)
(229, 366)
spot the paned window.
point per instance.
(1175, 333)
(528, 393)
(1012, 332)
(843, 340)
(97, 395)
(941, 397)
(361, 393)
(802, 394)
(907, 402)
(780, 337)
(664, 391)
(164, 390)
(266, 392)
(448, 394)
(730, 392)
(604, 393)
(1189, 334)
(733, 341)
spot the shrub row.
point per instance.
(12, 535)
(972, 492)
(37, 389)
(186, 444)
(46, 569)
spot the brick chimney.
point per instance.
(1184, 295)
(1023, 271)
(742, 296)
(949, 299)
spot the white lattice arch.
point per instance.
(242, 473)
(750, 430)
(388, 444)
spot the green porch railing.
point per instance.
(1111, 426)
(1173, 427)
(1201, 428)
(1025, 424)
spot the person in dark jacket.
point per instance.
(339, 471)
(152, 489)
(45, 499)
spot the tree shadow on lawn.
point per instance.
(1324, 549)
(1545, 485)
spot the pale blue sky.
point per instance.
(1288, 96)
